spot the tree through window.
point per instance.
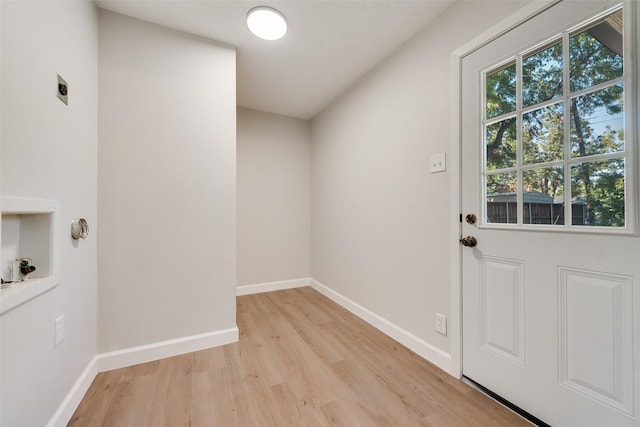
(554, 131)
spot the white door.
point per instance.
(551, 290)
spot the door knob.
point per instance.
(469, 241)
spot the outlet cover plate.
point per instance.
(59, 331)
(438, 163)
(441, 324)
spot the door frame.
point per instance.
(455, 149)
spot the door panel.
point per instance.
(595, 339)
(502, 308)
(550, 314)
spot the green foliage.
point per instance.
(501, 150)
(605, 194)
(501, 92)
(591, 62)
(501, 183)
(542, 75)
(543, 135)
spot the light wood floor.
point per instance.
(301, 361)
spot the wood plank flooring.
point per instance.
(301, 360)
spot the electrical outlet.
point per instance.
(63, 90)
(58, 335)
(441, 324)
(438, 163)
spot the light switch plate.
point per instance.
(438, 163)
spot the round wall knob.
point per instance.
(79, 229)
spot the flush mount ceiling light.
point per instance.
(267, 23)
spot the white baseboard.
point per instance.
(272, 286)
(438, 357)
(133, 356)
(72, 400)
(147, 353)
(160, 350)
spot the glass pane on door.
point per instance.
(502, 206)
(598, 193)
(543, 134)
(542, 75)
(543, 198)
(501, 144)
(596, 53)
(597, 122)
(500, 87)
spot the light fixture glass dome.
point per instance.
(267, 23)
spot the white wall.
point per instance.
(380, 227)
(273, 166)
(49, 151)
(167, 157)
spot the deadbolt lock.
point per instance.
(470, 218)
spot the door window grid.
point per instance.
(559, 172)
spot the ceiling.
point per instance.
(329, 46)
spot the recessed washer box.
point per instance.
(30, 229)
